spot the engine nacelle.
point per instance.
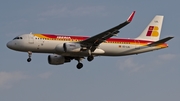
(68, 47)
(72, 47)
(56, 59)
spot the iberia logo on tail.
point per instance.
(153, 31)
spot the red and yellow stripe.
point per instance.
(110, 40)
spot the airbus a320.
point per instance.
(64, 48)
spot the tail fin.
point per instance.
(153, 30)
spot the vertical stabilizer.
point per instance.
(153, 30)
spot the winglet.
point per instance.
(131, 16)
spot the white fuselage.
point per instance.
(28, 42)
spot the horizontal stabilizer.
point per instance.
(160, 41)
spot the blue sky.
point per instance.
(153, 76)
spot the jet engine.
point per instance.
(69, 47)
(57, 59)
(72, 47)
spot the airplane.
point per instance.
(64, 48)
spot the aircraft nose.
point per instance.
(9, 44)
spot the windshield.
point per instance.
(17, 38)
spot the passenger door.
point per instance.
(31, 38)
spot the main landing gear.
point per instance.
(79, 65)
(90, 58)
(29, 55)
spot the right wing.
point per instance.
(93, 42)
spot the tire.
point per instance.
(90, 58)
(29, 60)
(79, 65)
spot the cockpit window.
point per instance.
(17, 38)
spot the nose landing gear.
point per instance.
(29, 60)
(29, 55)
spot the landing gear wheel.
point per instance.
(79, 65)
(29, 55)
(29, 60)
(90, 58)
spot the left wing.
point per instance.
(93, 42)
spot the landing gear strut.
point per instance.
(29, 55)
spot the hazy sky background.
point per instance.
(153, 76)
